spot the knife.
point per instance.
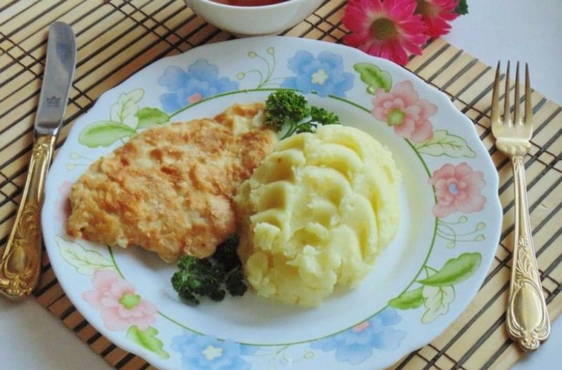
(20, 263)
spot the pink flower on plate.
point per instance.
(118, 302)
(457, 188)
(194, 98)
(360, 327)
(405, 111)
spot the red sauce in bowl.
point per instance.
(249, 2)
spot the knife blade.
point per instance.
(57, 78)
(20, 264)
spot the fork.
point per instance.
(527, 316)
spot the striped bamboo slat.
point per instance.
(124, 36)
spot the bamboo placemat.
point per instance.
(116, 38)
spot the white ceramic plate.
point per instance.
(421, 282)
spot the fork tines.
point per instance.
(507, 118)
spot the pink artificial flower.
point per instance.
(402, 109)
(387, 29)
(436, 15)
(118, 303)
(457, 188)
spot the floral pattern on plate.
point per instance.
(458, 189)
(357, 344)
(323, 74)
(200, 80)
(118, 302)
(402, 109)
(465, 218)
(205, 352)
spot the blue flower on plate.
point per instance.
(355, 345)
(205, 352)
(200, 81)
(323, 75)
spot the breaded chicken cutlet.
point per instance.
(169, 189)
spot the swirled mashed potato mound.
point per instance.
(315, 214)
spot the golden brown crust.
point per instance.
(169, 189)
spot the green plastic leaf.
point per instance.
(148, 117)
(407, 300)
(454, 270)
(147, 339)
(436, 301)
(124, 109)
(444, 143)
(373, 77)
(85, 261)
(104, 133)
(462, 7)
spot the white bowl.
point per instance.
(254, 20)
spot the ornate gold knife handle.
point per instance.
(527, 316)
(21, 261)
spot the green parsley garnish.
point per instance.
(290, 113)
(208, 277)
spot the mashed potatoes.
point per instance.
(315, 214)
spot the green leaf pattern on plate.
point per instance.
(148, 117)
(104, 133)
(444, 143)
(437, 290)
(125, 108)
(436, 301)
(374, 77)
(125, 120)
(454, 270)
(408, 299)
(86, 261)
(147, 339)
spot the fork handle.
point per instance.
(20, 263)
(527, 316)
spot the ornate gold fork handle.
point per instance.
(21, 261)
(527, 315)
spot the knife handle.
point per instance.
(20, 264)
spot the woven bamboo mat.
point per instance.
(116, 38)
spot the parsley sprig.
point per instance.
(290, 113)
(208, 277)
